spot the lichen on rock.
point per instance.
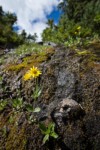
(70, 98)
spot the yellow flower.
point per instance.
(27, 76)
(32, 73)
(79, 27)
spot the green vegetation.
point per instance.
(17, 103)
(8, 37)
(33, 54)
(0, 79)
(3, 104)
(36, 92)
(48, 131)
(31, 109)
(28, 48)
(79, 22)
(78, 28)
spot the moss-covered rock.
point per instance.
(66, 73)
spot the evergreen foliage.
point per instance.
(79, 19)
(8, 37)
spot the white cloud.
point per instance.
(30, 10)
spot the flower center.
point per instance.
(34, 72)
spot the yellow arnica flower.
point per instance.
(27, 76)
(32, 73)
(79, 27)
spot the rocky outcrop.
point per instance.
(69, 98)
(67, 110)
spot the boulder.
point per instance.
(67, 110)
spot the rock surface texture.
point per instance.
(70, 98)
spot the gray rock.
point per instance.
(49, 43)
(6, 50)
(67, 110)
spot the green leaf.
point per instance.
(29, 108)
(54, 135)
(43, 128)
(17, 103)
(37, 92)
(48, 131)
(46, 138)
(37, 109)
(51, 127)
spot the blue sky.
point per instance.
(32, 15)
(55, 15)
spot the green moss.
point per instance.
(12, 67)
(82, 53)
(94, 47)
(35, 59)
(16, 139)
(16, 135)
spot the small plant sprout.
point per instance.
(48, 131)
(3, 104)
(11, 119)
(17, 103)
(31, 119)
(30, 109)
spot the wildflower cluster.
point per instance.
(77, 30)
